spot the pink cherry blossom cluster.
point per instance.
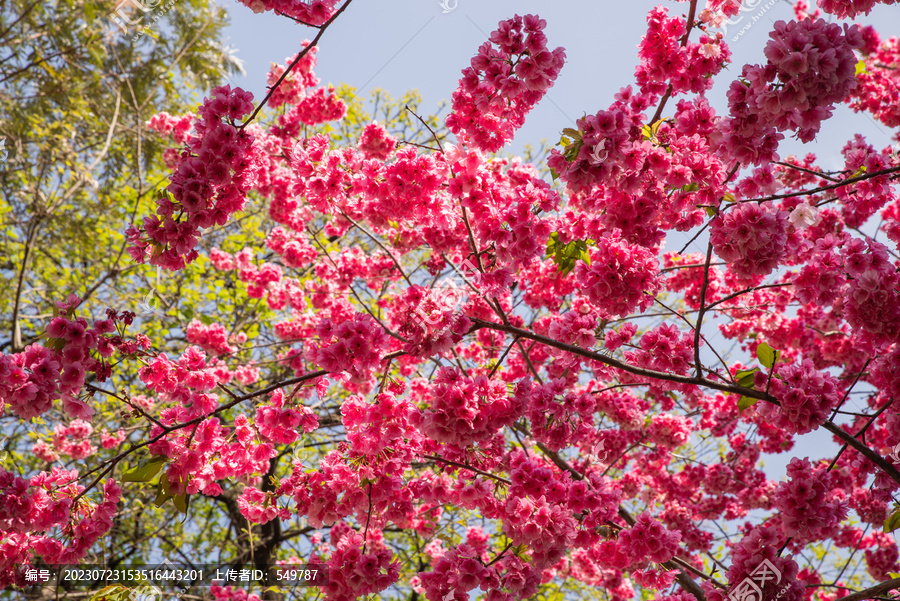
(31, 507)
(809, 508)
(308, 12)
(508, 76)
(664, 348)
(232, 593)
(210, 182)
(464, 410)
(31, 380)
(319, 106)
(664, 60)
(212, 338)
(821, 280)
(281, 424)
(380, 430)
(621, 277)
(810, 68)
(872, 298)
(258, 507)
(806, 396)
(647, 540)
(751, 237)
(74, 439)
(850, 8)
(295, 249)
(353, 346)
(455, 572)
(355, 573)
(376, 143)
(178, 128)
(875, 93)
(432, 320)
(294, 86)
(557, 418)
(199, 459)
(540, 513)
(861, 200)
(607, 142)
(883, 559)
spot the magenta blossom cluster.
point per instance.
(809, 509)
(353, 346)
(621, 277)
(507, 77)
(811, 67)
(464, 410)
(686, 67)
(752, 238)
(31, 508)
(850, 8)
(806, 396)
(31, 380)
(308, 12)
(212, 338)
(282, 425)
(376, 143)
(872, 298)
(356, 571)
(210, 182)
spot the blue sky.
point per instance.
(405, 44)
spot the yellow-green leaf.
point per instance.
(163, 493)
(145, 471)
(745, 402)
(893, 522)
(767, 355)
(181, 503)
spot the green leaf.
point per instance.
(145, 471)
(861, 68)
(743, 372)
(711, 211)
(745, 402)
(181, 503)
(893, 522)
(113, 592)
(163, 493)
(746, 381)
(767, 355)
(566, 255)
